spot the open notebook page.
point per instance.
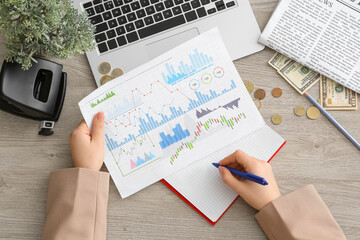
(201, 184)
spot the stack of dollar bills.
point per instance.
(333, 96)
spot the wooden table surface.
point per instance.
(315, 153)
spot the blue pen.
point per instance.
(248, 176)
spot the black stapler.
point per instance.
(37, 93)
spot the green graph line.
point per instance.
(200, 127)
(230, 123)
(107, 96)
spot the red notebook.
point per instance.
(200, 184)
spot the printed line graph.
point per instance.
(206, 126)
(137, 97)
(134, 123)
(199, 130)
(151, 89)
(146, 122)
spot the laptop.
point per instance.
(131, 32)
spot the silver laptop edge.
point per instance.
(237, 26)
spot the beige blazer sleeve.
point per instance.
(301, 214)
(76, 205)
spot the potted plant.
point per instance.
(44, 28)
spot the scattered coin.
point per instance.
(258, 105)
(276, 119)
(260, 94)
(277, 92)
(117, 72)
(105, 79)
(104, 68)
(313, 113)
(249, 86)
(299, 111)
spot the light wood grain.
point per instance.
(315, 153)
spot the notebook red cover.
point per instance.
(197, 210)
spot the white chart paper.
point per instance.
(175, 110)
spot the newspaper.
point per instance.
(323, 35)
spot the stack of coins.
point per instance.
(105, 68)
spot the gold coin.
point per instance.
(259, 103)
(104, 68)
(299, 111)
(260, 94)
(105, 79)
(276, 119)
(277, 92)
(249, 86)
(117, 72)
(313, 113)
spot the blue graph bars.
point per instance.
(148, 123)
(204, 98)
(114, 144)
(198, 62)
(179, 134)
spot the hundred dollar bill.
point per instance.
(298, 76)
(278, 61)
(334, 96)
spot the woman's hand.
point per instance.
(88, 151)
(254, 194)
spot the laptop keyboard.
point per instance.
(121, 22)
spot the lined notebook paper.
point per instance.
(200, 183)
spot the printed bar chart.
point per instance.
(198, 62)
(179, 134)
(113, 144)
